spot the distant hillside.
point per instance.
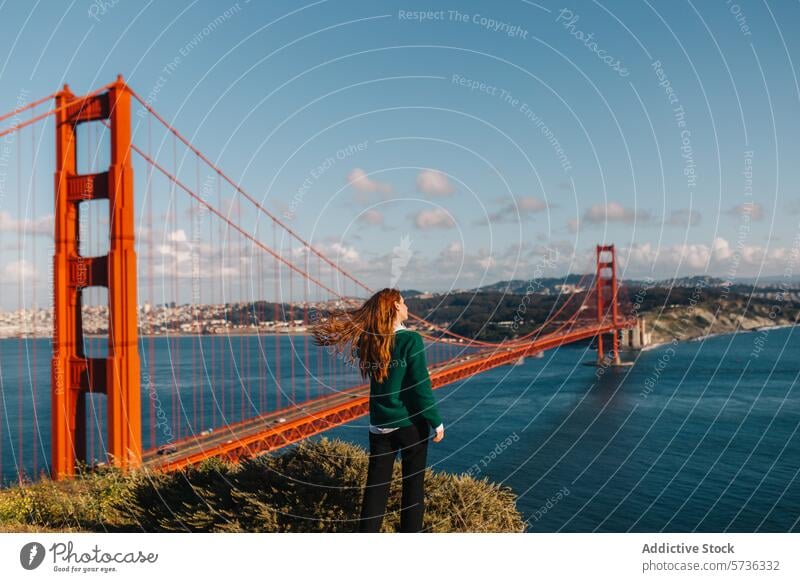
(486, 315)
(680, 312)
(535, 285)
(552, 284)
(684, 313)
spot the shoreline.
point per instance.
(704, 337)
(305, 333)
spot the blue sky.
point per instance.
(466, 141)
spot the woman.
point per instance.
(402, 409)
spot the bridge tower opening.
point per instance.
(606, 291)
(73, 374)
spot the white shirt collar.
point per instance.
(399, 326)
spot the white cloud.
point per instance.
(573, 225)
(177, 235)
(613, 212)
(359, 180)
(753, 209)
(684, 217)
(18, 271)
(642, 256)
(718, 257)
(721, 249)
(531, 204)
(180, 255)
(371, 216)
(518, 210)
(434, 182)
(455, 247)
(344, 253)
(434, 218)
(42, 226)
(487, 262)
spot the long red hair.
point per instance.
(365, 335)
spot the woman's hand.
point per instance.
(439, 434)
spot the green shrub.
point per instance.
(308, 487)
(85, 503)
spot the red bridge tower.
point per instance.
(73, 373)
(606, 291)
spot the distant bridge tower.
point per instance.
(73, 373)
(606, 291)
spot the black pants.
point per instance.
(412, 442)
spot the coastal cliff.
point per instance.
(715, 317)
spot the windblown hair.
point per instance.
(365, 334)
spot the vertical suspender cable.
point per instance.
(291, 325)
(151, 384)
(222, 302)
(307, 373)
(174, 362)
(277, 335)
(195, 335)
(21, 307)
(242, 303)
(35, 306)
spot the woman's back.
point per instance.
(405, 395)
(400, 406)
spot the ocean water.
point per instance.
(696, 436)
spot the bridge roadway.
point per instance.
(280, 428)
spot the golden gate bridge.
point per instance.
(133, 392)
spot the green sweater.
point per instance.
(406, 395)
